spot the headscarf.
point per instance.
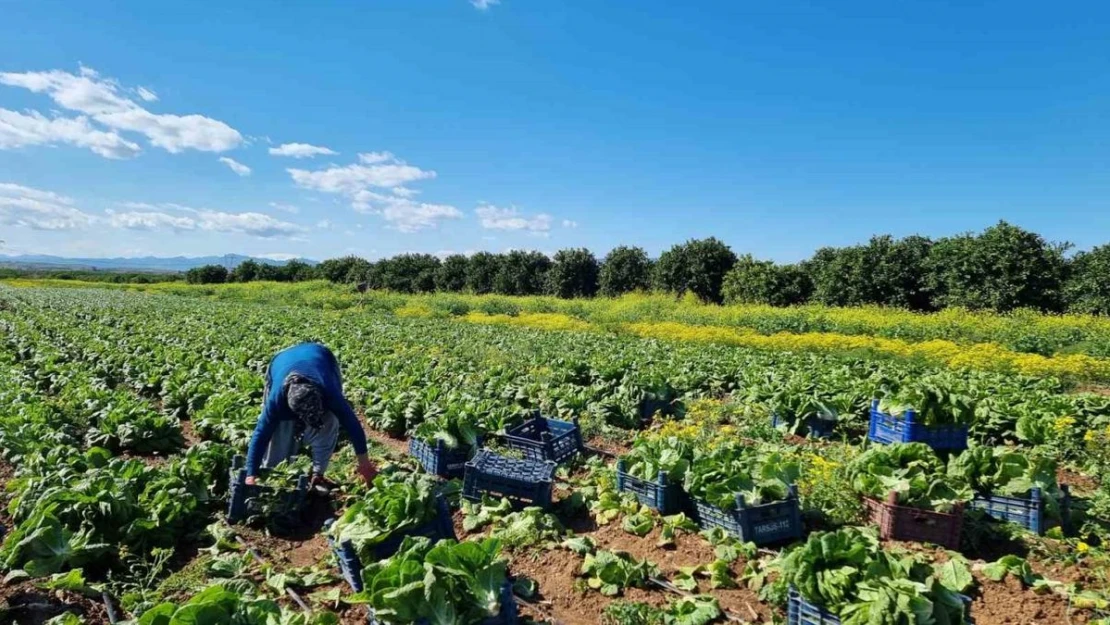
(305, 400)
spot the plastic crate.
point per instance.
(509, 614)
(889, 429)
(543, 439)
(439, 459)
(661, 495)
(523, 482)
(817, 427)
(913, 524)
(439, 528)
(801, 612)
(763, 524)
(1028, 512)
(242, 497)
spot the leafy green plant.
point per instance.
(1006, 471)
(611, 571)
(758, 475)
(650, 455)
(935, 400)
(396, 503)
(912, 471)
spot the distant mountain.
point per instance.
(144, 263)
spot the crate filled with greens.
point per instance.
(847, 577)
(522, 482)
(909, 495)
(444, 445)
(654, 472)
(399, 505)
(748, 492)
(922, 412)
(271, 498)
(444, 582)
(1014, 487)
(542, 439)
(802, 412)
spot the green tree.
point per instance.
(1088, 285)
(885, 271)
(247, 271)
(1002, 269)
(451, 275)
(408, 273)
(481, 272)
(522, 273)
(298, 271)
(344, 270)
(763, 282)
(698, 266)
(625, 269)
(573, 273)
(206, 274)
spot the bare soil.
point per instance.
(1078, 482)
(1008, 603)
(23, 603)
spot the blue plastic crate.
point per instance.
(763, 524)
(889, 429)
(439, 459)
(509, 614)
(801, 612)
(661, 495)
(1028, 512)
(817, 427)
(523, 482)
(543, 439)
(242, 496)
(439, 528)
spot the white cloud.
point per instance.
(32, 128)
(38, 209)
(288, 208)
(324, 224)
(100, 99)
(365, 185)
(568, 223)
(370, 158)
(236, 166)
(278, 256)
(494, 218)
(155, 217)
(484, 5)
(301, 150)
(146, 94)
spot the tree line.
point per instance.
(1002, 268)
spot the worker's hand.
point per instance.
(250, 480)
(367, 469)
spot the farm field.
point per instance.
(122, 411)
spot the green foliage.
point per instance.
(611, 571)
(759, 476)
(396, 503)
(481, 272)
(1087, 289)
(912, 471)
(522, 273)
(885, 271)
(344, 270)
(933, 398)
(697, 266)
(406, 273)
(450, 582)
(1006, 471)
(573, 274)
(696, 610)
(1004, 268)
(650, 455)
(450, 277)
(624, 270)
(753, 281)
(207, 274)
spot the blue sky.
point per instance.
(383, 126)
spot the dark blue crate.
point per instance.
(661, 495)
(889, 429)
(801, 612)
(522, 482)
(543, 439)
(439, 459)
(814, 426)
(439, 528)
(241, 496)
(764, 524)
(509, 614)
(1028, 512)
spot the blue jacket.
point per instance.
(317, 363)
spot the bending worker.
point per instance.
(304, 403)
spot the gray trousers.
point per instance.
(321, 442)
